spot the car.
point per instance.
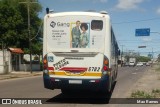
(147, 64)
(126, 64)
(131, 64)
(139, 64)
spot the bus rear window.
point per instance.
(97, 25)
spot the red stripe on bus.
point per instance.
(50, 68)
(73, 69)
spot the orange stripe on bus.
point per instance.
(83, 74)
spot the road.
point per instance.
(32, 87)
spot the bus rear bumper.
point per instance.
(81, 84)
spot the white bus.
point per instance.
(80, 51)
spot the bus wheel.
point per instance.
(107, 91)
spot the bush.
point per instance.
(141, 94)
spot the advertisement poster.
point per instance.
(76, 33)
(80, 35)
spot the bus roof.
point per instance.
(97, 14)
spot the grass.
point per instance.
(158, 68)
(156, 93)
(158, 71)
(142, 94)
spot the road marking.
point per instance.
(134, 73)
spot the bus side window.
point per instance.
(97, 25)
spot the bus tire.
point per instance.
(109, 88)
(116, 74)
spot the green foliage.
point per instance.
(157, 69)
(141, 94)
(139, 58)
(37, 48)
(14, 23)
(158, 58)
(156, 91)
(143, 59)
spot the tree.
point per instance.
(158, 58)
(14, 23)
(11, 20)
(143, 59)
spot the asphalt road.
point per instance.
(32, 87)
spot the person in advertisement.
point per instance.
(76, 35)
(83, 42)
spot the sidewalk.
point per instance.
(20, 74)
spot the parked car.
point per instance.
(139, 64)
(132, 61)
(147, 64)
(126, 64)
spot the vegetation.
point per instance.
(156, 93)
(139, 58)
(14, 24)
(143, 59)
(158, 58)
(157, 69)
(142, 94)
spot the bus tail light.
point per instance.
(45, 64)
(105, 65)
(105, 68)
(106, 62)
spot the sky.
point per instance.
(126, 17)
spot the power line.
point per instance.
(127, 40)
(40, 27)
(135, 21)
(138, 41)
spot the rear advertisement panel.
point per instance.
(75, 32)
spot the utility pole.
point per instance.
(28, 2)
(152, 56)
(152, 53)
(122, 55)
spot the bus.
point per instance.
(80, 51)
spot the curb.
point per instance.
(19, 74)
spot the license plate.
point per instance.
(75, 81)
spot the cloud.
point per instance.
(128, 4)
(158, 11)
(93, 1)
(100, 1)
(103, 1)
